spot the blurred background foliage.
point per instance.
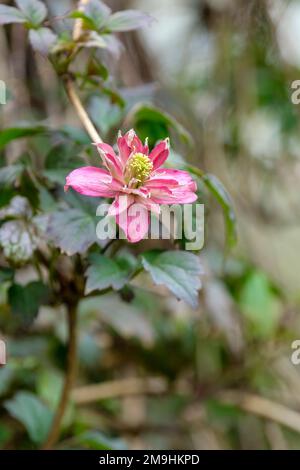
(152, 372)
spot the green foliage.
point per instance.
(26, 300)
(79, 230)
(32, 413)
(260, 305)
(42, 39)
(156, 124)
(104, 272)
(177, 270)
(51, 262)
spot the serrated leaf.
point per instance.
(104, 272)
(26, 300)
(72, 230)
(179, 271)
(34, 10)
(32, 413)
(128, 20)
(11, 15)
(42, 40)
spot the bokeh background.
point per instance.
(153, 373)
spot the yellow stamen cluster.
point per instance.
(139, 167)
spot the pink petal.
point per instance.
(134, 222)
(160, 182)
(133, 142)
(120, 204)
(160, 153)
(183, 177)
(179, 195)
(124, 149)
(150, 205)
(91, 181)
(110, 160)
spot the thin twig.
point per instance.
(119, 388)
(69, 379)
(82, 114)
(262, 407)
(78, 23)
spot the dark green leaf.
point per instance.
(6, 274)
(42, 39)
(104, 272)
(178, 270)
(34, 10)
(128, 20)
(26, 300)
(11, 15)
(222, 196)
(32, 413)
(219, 192)
(60, 161)
(151, 122)
(12, 133)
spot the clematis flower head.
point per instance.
(134, 176)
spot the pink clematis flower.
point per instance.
(134, 177)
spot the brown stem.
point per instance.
(69, 379)
(82, 114)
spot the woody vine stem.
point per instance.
(54, 432)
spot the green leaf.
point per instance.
(72, 230)
(12, 133)
(93, 15)
(156, 124)
(105, 114)
(260, 305)
(26, 300)
(42, 39)
(34, 10)
(60, 161)
(95, 440)
(178, 270)
(9, 174)
(104, 272)
(219, 192)
(222, 196)
(11, 15)
(6, 274)
(32, 413)
(125, 319)
(128, 20)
